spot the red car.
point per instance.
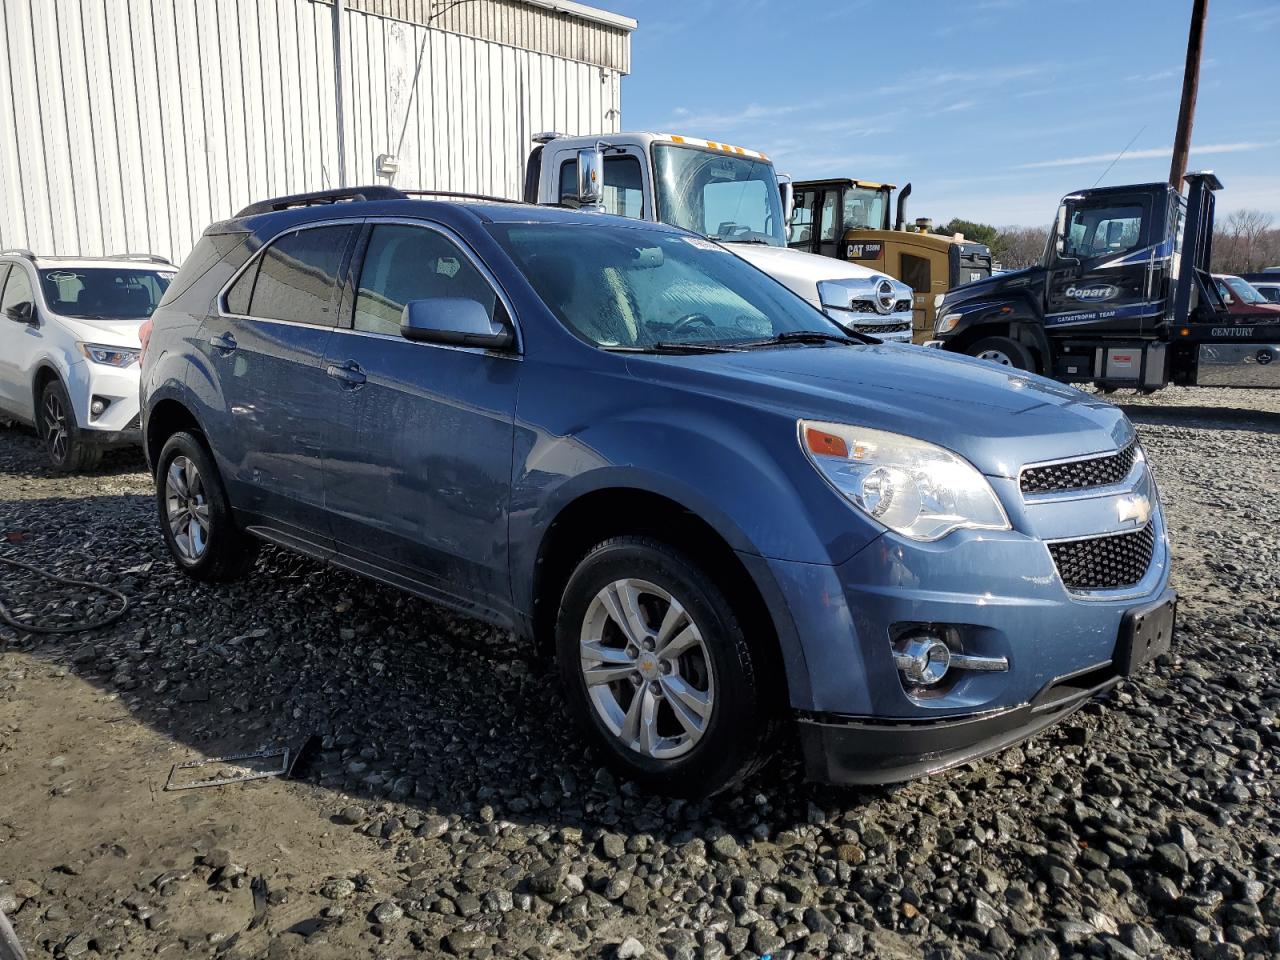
(1244, 302)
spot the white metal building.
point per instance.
(129, 126)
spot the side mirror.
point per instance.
(591, 176)
(22, 312)
(1060, 238)
(788, 191)
(457, 321)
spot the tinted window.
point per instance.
(17, 290)
(104, 291)
(237, 298)
(406, 263)
(299, 274)
(623, 193)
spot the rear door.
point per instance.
(1101, 274)
(264, 348)
(418, 458)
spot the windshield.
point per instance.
(1245, 291)
(626, 287)
(107, 292)
(866, 208)
(720, 195)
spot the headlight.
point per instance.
(914, 488)
(946, 323)
(111, 356)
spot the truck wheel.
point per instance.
(659, 672)
(1004, 351)
(68, 449)
(195, 514)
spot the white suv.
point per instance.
(69, 347)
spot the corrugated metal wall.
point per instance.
(131, 126)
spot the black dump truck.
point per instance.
(1124, 298)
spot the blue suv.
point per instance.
(725, 514)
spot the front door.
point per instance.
(830, 222)
(263, 353)
(1100, 274)
(418, 458)
(800, 232)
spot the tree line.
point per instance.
(1245, 241)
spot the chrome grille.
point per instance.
(1105, 563)
(874, 329)
(1080, 474)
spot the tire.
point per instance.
(1010, 351)
(720, 670)
(195, 515)
(64, 441)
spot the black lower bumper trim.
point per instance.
(862, 751)
(113, 438)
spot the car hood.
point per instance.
(114, 332)
(999, 284)
(800, 271)
(997, 419)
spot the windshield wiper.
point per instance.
(807, 336)
(673, 346)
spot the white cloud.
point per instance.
(1153, 153)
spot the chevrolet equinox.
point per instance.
(725, 513)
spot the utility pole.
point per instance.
(1190, 85)
(339, 9)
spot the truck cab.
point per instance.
(1122, 298)
(726, 193)
(850, 220)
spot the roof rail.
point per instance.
(153, 257)
(321, 197)
(459, 195)
(18, 252)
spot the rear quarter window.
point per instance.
(208, 252)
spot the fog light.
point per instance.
(97, 407)
(923, 660)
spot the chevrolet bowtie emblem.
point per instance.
(1136, 508)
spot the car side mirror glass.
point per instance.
(788, 201)
(456, 321)
(590, 176)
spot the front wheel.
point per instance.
(1003, 350)
(659, 671)
(64, 441)
(195, 514)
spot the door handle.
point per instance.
(223, 342)
(349, 374)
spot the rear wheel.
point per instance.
(64, 441)
(1004, 351)
(195, 514)
(659, 671)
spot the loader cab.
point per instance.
(824, 210)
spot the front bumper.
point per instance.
(119, 423)
(861, 750)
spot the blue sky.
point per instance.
(993, 109)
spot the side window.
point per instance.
(298, 275)
(800, 230)
(17, 290)
(4, 273)
(828, 225)
(237, 298)
(916, 273)
(406, 263)
(1104, 231)
(623, 186)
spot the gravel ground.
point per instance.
(450, 811)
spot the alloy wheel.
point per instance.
(57, 430)
(187, 508)
(647, 669)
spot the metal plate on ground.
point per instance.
(233, 768)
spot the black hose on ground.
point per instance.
(78, 627)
